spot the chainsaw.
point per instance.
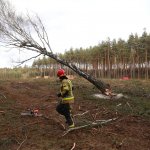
(31, 112)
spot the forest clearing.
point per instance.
(112, 66)
(130, 131)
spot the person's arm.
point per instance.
(59, 94)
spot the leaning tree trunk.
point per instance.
(15, 31)
(98, 83)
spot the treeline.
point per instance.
(108, 59)
(17, 73)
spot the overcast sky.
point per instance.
(83, 23)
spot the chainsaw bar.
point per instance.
(30, 114)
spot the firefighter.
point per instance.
(67, 98)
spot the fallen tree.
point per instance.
(15, 31)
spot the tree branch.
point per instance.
(93, 124)
(22, 142)
(27, 60)
(74, 144)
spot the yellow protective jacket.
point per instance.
(66, 91)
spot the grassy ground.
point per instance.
(137, 91)
(130, 131)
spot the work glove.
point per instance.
(58, 94)
(65, 94)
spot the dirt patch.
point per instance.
(128, 132)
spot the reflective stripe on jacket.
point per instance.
(66, 91)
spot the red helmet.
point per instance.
(60, 72)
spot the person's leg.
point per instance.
(65, 109)
(68, 115)
(60, 109)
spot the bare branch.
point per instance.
(1, 111)
(81, 114)
(22, 142)
(93, 124)
(74, 144)
(45, 35)
(27, 60)
(2, 97)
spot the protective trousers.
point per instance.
(65, 110)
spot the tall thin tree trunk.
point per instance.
(146, 65)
